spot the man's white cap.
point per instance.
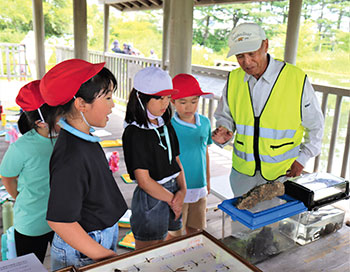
(246, 37)
(154, 81)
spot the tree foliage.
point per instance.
(16, 18)
(213, 32)
(322, 37)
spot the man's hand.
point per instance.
(295, 170)
(221, 135)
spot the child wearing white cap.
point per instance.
(151, 152)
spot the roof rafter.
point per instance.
(156, 2)
(128, 5)
(145, 3)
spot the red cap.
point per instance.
(188, 86)
(62, 82)
(29, 97)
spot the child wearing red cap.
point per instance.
(194, 133)
(151, 152)
(85, 202)
(25, 171)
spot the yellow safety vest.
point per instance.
(271, 142)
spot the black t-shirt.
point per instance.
(142, 151)
(82, 187)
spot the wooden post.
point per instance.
(291, 46)
(106, 28)
(80, 29)
(39, 34)
(181, 22)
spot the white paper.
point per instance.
(26, 263)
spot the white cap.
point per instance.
(246, 37)
(154, 81)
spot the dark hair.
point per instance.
(27, 120)
(135, 113)
(91, 89)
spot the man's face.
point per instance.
(254, 63)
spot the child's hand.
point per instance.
(107, 254)
(177, 203)
(177, 212)
(221, 135)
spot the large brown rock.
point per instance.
(260, 193)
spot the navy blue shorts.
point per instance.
(152, 218)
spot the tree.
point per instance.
(16, 19)
(58, 16)
(204, 22)
(342, 8)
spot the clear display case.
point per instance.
(196, 252)
(70, 268)
(255, 233)
(312, 225)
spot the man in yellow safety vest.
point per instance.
(271, 106)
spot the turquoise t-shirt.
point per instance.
(29, 158)
(193, 140)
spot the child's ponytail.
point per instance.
(23, 123)
(28, 120)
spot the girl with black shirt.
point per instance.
(85, 202)
(151, 152)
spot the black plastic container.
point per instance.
(316, 190)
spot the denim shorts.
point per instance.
(63, 255)
(152, 218)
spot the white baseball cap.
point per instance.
(154, 81)
(246, 37)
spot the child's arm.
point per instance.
(208, 172)
(178, 200)
(10, 184)
(151, 187)
(74, 235)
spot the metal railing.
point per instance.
(13, 63)
(335, 103)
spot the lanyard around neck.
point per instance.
(167, 140)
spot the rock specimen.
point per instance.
(260, 193)
(263, 244)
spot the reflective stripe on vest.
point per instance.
(277, 131)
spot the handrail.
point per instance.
(335, 102)
(13, 64)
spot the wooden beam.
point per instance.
(156, 2)
(117, 6)
(127, 4)
(137, 3)
(145, 3)
(215, 2)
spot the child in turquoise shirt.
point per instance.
(194, 133)
(25, 172)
